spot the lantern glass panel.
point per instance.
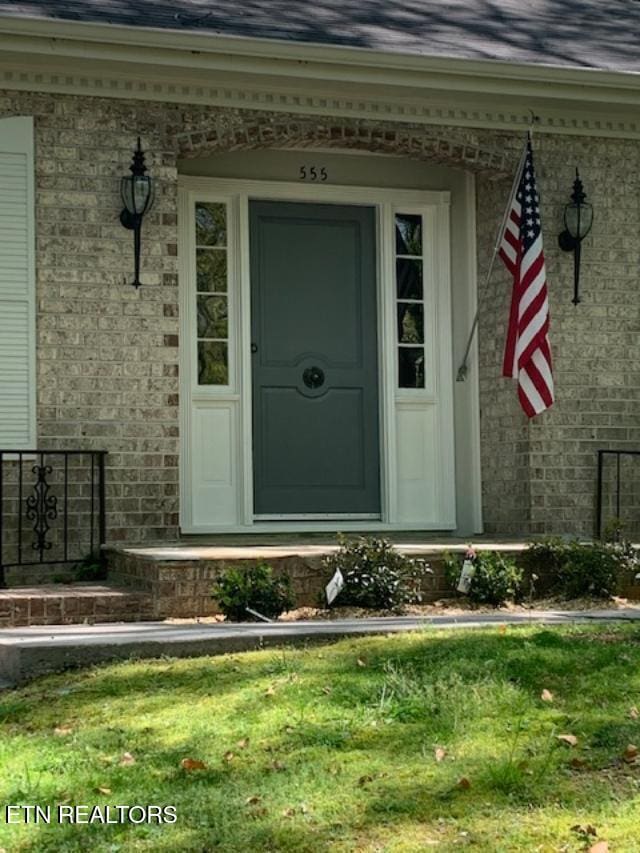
(578, 219)
(137, 194)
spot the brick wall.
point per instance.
(541, 476)
(108, 355)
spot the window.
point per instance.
(212, 308)
(410, 300)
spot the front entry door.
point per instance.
(314, 360)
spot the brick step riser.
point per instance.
(19, 611)
(183, 589)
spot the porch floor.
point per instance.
(305, 545)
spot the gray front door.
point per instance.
(314, 345)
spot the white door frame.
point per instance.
(434, 206)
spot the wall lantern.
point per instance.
(137, 193)
(578, 219)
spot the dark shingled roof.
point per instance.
(576, 33)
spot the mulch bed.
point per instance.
(443, 607)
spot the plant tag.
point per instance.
(334, 587)
(258, 615)
(466, 576)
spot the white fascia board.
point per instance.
(297, 61)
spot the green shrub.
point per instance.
(253, 587)
(582, 569)
(546, 557)
(496, 579)
(90, 569)
(376, 575)
(588, 570)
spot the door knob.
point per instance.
(254, 348)
(313, 377)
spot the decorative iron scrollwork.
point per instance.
(42, 508)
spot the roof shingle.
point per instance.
(574, 33)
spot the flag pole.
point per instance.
(464, 366)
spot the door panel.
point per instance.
(314, 362)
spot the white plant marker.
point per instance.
(466, 576)
(333, 588)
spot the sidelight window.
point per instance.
(410, 300)
(212, 293)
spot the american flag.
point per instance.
(527, 355)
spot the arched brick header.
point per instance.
(250, 131)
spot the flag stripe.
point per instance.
(527, 354)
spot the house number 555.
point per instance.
(313, 173)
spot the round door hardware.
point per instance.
(254, 348)
(313, 377)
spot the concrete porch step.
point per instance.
(180, 576)
(72, 604)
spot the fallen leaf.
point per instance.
(634, 713)
(228, 756)
(440, 753)
(586, 830)
(578, 763)
(464, 783)
(243, 744)
(270, 690)
(127, 759)
(288, 812)
(631, 753)
(570, 740)
(360, 662)
(546, 696)
(599, 847)
(62, 731)
(326, 690)
(364, 780)
(277, 766)
(253, 801)
(289, 730)
(192, 764)
(104, 791)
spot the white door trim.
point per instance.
(237, 194)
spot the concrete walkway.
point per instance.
(26, 653)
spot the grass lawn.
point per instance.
(403, 743)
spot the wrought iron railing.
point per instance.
(52, 507)
(618, 492)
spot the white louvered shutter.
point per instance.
(17, 285)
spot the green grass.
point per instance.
(341, 746)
